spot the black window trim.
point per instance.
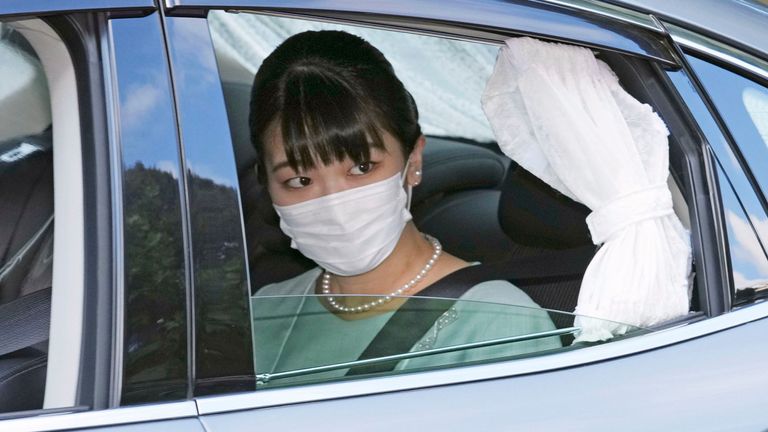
(648, 39)
(123, 394)
(39, 8)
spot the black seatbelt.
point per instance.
(25, 321)
(414, 318)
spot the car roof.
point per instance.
(741, 21)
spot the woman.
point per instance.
(340, 149)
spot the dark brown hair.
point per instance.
(331, 95)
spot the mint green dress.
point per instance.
(293, 330)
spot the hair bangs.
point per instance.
(323, 120)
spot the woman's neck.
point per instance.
(408, 258)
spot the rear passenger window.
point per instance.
(26, 215)
(482, 207)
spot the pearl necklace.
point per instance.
(326, 284)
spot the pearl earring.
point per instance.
(418, 172)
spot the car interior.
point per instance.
(482, 206)
(29, 201)
(26, 229)
(26, 248)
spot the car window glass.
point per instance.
(26, 207)
(155, 365)
(749, 262)
(743, 105)
(296, 342)
(482, 206)
(756, 102)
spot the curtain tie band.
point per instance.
(642, 204)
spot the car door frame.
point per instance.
(419, 17)
(76, 30)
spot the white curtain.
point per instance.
(561, 113)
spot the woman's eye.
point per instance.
(362, 168)
(298, 182)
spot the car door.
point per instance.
(114, 255)
(677, 371)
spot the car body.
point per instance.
(153, 332)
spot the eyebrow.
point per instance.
(280, 165)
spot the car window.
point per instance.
(26, 218)
(479, 204)
(749, 262)
(155, 337)
(295, 342)
(743, 105)
(447, 91)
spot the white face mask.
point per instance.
(349, 232)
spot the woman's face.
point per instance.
(287, 186)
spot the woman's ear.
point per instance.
(415, 162)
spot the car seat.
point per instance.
(26, 247)
(26, 194)
(519, 218)
(458, 199)
(542, 221)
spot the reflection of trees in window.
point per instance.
(156, 339)
(221, 291)
(155, 335)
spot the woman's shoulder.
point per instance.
(298, 285)
(498, 292)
